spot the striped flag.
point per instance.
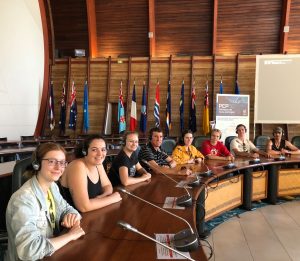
(121, 111)
(221, 87)
(73, 108)
(62, 117)
(156, 106)
(181, 107)
(206, 112)
(51, 108)
(133, 118)
(236, 89)
(143, 121)
(193, 122)
(86, 123)
(168, 111)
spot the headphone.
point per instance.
(154, 129)
(36, 164)
(84, 151)
(278, 129)
(240, 125)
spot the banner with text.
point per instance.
(232, 110)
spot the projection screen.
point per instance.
(277, 89)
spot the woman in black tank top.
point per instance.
(85, 183)
(279, 146)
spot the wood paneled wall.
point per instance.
(181, 69)
(183, 27)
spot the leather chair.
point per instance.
(168, 145)
(261, 142)
(18, 178)
(296, 141)
(198, 140)
(228, 141)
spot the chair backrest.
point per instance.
(198, 140)
(228, 141)
(168, 145)
(296, 141)
(261, 142)
(18, 178)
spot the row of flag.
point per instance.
(156, 111)
(73, 109)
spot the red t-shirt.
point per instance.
(219, 149)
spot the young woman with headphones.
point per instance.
(84, 183)
(185, 152)
(36, 211)
(278, 145)
(126, 169)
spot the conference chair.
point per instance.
(261, 142)
(168, 145)
(296, 141)
(228, 141)
(198, 140)
(18, 179)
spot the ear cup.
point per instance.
(84, 153)
(36, 165)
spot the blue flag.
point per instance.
(168, 111)
(62, 118)
(73, 108)
(221, 87)
(86, 123)
(143, 120)
(51, 108)
(237, 89)
(181, 107)
(192, 121)
(121, 112)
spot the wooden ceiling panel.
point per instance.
(250, 27)
(122, 29)
(294, 34)
(184, 28)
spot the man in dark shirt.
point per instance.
(156, 158)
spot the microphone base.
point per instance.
(186, 241)
(195, 182)
(229, 166)
(280, 159)
(254, 161)
(184, 201)
(205, 234)
(207, 173)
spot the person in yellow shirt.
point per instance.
(185, 152)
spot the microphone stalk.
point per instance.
(183, 201)
(184, 240)
(126, 226)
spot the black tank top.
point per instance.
(94, 190)
(281, 145)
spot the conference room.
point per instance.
(71, 69)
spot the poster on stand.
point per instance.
(232, 109)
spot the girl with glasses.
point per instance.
(84, 183)
(36, 211)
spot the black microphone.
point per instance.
(185, 240)
(280, 158)
(126, 226)
(254, 161)
(206, 173)
(185, 200)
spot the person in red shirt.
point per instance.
(215, 149)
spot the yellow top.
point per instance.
(51, 208)
(182, 155)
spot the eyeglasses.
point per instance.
(55, 162)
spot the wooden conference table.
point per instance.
(105, 240)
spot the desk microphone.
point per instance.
(230, 165)
(280, 158)
(184, 201)
(206, 173)
(185, 240)
(254, 161)
(126, 226)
